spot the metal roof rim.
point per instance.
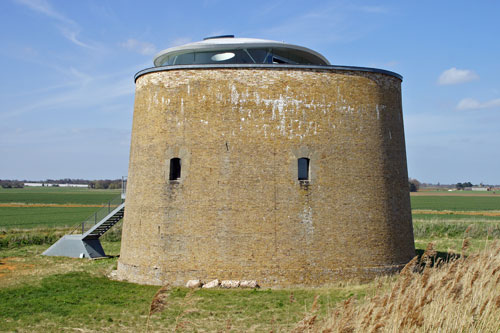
(266, 66)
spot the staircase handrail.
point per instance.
(98, 215)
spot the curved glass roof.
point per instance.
(230, 50)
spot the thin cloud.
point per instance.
(457, 76)
(82, 78)
(181, 41)
(138, 46)
(323, 24)
(82, 94)
(68, 28)
(71, 35)
(306, 25)
(269, 8)
(371, 9)
(473, 104)
(45, 8)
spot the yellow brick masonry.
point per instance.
(238, 211)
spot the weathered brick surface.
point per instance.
(238, 212)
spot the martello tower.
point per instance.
(255, 159)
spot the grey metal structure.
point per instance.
(87, 244)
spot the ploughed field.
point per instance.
(40, 293)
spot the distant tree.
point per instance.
(106, 184)
(461, 186)
(413, 184)
(11, 183)
(116, 184)
(99, 185)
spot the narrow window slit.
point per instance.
(303, 169)
(175, 169)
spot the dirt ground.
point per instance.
(14, 204)
(13, 264)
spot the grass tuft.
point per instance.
(460, 297)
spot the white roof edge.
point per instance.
(231, 43)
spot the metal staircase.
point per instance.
(106, 223)
(87, 244)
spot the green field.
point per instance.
(56, 195)
(457, 203)
(34, 217)
(458, 215)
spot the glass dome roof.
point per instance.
(230, 50)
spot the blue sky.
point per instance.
(67, 88)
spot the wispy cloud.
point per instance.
(138, 46)
(457, 76)
(180, 41)
(306, 25)
(66, 26)
(43, 7)
(371, 9)
(270, 7)
(72, 35)
(325, 23)
(85, 92)
(473, 104)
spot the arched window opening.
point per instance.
(303, 169)
(175, 168)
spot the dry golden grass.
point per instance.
(456, 212)
(461, 295)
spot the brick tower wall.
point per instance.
(238, 210)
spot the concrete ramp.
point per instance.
(75, 246)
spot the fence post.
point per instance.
(95, 218)
(109, 208)
(83, 228)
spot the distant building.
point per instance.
(55, 185)
(73, 185)
(483, 188)
(477, 188)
